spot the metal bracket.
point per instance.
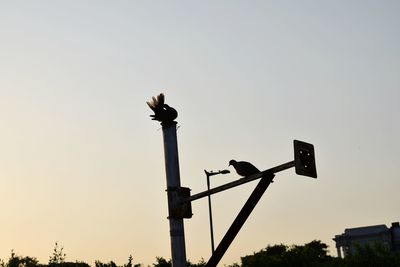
(179, 209)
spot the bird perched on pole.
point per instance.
(243, 168)
(162, 112)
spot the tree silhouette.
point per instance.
(19, 261)
(58, 255)
(311, 254)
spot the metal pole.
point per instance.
(177, 232)
(210, 212)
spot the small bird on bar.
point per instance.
(243, 168)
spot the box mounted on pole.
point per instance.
(304, 159)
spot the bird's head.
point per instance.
(232, 162)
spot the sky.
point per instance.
(81, 163)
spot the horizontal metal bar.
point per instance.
(240, 181)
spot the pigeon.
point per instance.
(162, 112)
(243, 168)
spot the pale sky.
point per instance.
(81, 162)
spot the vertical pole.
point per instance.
(176, 227)
(210, 213)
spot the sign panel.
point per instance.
(304, 159)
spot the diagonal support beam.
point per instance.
(240, 219)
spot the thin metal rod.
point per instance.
(240, 220)
(240, 181)
(210, 213)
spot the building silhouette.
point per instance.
(368, 235)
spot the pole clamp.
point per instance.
(179, 209)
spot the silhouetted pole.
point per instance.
(176, 227)
(166, 115)
(210, 213)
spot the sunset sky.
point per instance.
(81, 163)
